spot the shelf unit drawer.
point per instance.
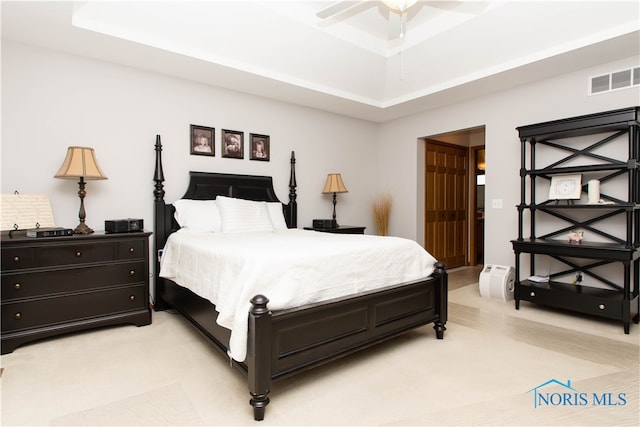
(583, 299)
(44, 312)
(51, 282)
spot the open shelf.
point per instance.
(620, 300)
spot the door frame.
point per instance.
(464, 138)
(473, 205)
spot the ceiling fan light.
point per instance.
(399, 5)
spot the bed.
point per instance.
(282, 342)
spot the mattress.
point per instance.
(291, 268)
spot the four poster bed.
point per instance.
(281, 340)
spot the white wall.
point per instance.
(402, 155)
(52, 100)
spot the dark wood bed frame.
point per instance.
(285, 342)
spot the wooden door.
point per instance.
(446, 168)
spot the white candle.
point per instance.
(593, 187)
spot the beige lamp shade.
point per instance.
(334, 184)
(80, 163)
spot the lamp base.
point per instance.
(82, 228)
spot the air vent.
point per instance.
(614, 81)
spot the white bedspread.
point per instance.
(291, 268)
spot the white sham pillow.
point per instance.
(240, 215)
(198, 215)
(277, 216)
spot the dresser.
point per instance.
(56, 285)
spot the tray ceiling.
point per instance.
(452, 50)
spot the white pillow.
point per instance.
(198, 215)
(277, 216)
(239, 215)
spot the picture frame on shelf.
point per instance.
(565, 187)
(260, 147)
(202, 140)
(232, 144)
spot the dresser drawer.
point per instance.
(57, 255)
(20, 285)
(132, 249)
(16, 258)
(76, 253)
(39, 313)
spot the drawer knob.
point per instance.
(18, 316)
(131, 250)
(533, 294)
(16, 259)
(78, 254)
(132, 297)
(602, 307)
(132, 273)
(17, 286)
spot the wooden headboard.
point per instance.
(207, 186)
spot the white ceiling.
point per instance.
(452, 50)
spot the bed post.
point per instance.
(258, 359)
(441, 299)
(292, 208)
(159, 213)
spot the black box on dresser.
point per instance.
(55, 285)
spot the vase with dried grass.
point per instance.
(381, 207)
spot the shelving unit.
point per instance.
(582, 146)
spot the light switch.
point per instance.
(496, 203)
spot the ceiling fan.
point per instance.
(397, 14)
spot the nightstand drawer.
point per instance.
(39, 283)
(39, 313)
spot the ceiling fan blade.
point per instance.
(336, 8)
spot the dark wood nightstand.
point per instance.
(55, 285)
(341, 229)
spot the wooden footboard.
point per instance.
(309, 336)
(286, 342)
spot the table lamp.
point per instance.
(81, 163)
(334, 185)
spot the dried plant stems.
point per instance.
(381, 212)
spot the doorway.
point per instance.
(454, 197)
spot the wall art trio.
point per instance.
(202, 143)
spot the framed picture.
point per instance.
(565, 187)
(260, 147)
(202, 140)
(232, 144)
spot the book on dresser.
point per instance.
(49, 232)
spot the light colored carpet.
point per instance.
(164, 406)
(480, 374)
